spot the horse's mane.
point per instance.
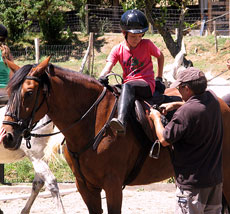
(18, 78)
(15, 84)
(73, 75)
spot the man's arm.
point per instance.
(166, 107)
(155, 117)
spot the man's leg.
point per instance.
(199, 201)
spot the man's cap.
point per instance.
(189, 74)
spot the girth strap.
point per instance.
(102, 131)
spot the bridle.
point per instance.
(27, 124)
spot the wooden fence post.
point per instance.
(36, 43)
(216, 41)
(2, 174)
(90, 51)
(87, 54)
(228, 18)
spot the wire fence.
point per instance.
(106, 19)
(59, 53)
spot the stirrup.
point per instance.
(151, 153)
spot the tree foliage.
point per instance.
(14, 16)
(19, 15)
(50, 15)
(159, 22)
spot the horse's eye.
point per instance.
(29, 93)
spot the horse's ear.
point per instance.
(40, 68)
(12, 66)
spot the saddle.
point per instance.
(142, 109)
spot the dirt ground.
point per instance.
(156, 198)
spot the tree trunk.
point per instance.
(174, 47)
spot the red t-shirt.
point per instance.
(136, 63)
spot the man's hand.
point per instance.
(166, 107)
(154, 113)
(155, 116)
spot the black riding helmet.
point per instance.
(134, 21)
(3, 32)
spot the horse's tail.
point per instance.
(53, 149)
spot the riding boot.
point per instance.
(124, 103)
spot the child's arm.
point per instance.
(2, 134)
(160, 61)
(107, 69)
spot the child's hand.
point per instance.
(2, 134)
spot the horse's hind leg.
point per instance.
(91, 197)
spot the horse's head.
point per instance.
(27, 102)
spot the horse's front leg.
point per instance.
(91, 197)
(113, 191)
(36, 187)
(44, 176)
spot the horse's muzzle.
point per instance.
(10, 143)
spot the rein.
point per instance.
(77, 121)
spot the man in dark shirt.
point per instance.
(195, 133)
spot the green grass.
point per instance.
(23, 172)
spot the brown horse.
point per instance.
(81, 107)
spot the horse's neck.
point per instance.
(70, 99)
(74, 91)
(75, 99)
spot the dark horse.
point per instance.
(80, 107)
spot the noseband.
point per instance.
(26, 125)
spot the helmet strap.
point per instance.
(126, 36)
